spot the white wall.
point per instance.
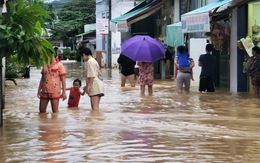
(197, 47)
(119, 7)
(176, 10)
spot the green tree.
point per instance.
(21, 33)
(71, 18)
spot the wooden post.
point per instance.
(1, 102)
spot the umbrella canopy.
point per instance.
(143, 48)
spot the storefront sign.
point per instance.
(195, 23)
(122, 26)
(102, 26)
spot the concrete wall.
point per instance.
(197, 47)
(119, 7)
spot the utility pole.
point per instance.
(109, 35)
(3, 8)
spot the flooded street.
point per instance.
(220, 127)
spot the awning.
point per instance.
(85, 33)
(174, 35)
(90, 40)
(88, 28)
(129, 14)
(124, 21)
(198, 20)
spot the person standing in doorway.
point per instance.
(146, 76)
(207, 63)
(253, 69)
(94, 81)
(127, 70)
(52, 81)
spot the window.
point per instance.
(103, 15)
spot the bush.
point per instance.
(12, 73)
(66, 53)
(13, 67)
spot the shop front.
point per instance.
(217, 31)
(249, 36)
(148, 18)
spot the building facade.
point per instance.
(151, 17)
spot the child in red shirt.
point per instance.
(75, 93)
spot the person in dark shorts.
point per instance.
(127, 70)
(207, 62)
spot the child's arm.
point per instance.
(192, 64)
(67, 89)
(139, 63)
(82, 92)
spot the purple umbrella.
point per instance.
(143, 48)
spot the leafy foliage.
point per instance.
(22, 31)
(13, 68)
(71, 18)
(66, 53)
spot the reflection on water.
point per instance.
(51, 136)
(165, 127)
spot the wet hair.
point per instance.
(209, 47)
(85, 51)
(81, 47)
(258, 51)
(255, 48)
(186, 49)
(181, 49)
(77, 80)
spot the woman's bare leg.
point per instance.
(55, 105)
(95, 100)
(150, 89)
(123, 80)
(142, 87)
(43, 105)
(132, 80)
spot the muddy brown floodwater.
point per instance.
(220, 127)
